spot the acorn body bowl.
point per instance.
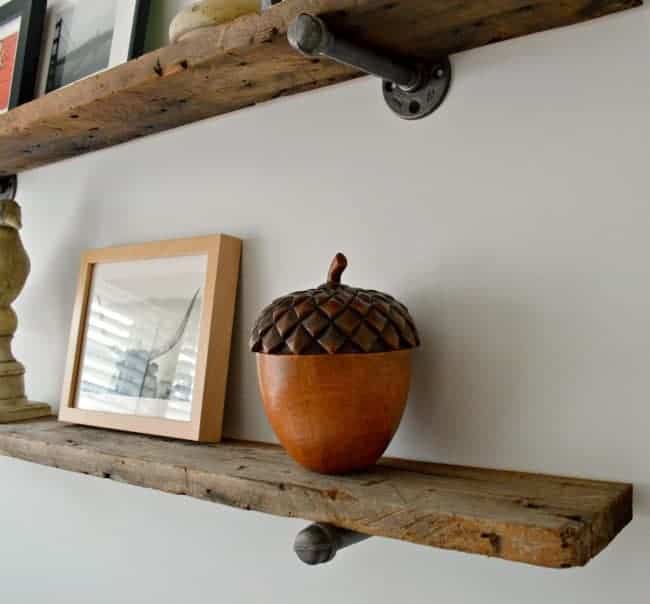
(334, 370)
(335, 413)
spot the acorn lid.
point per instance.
(334, 319)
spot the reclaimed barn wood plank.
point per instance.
(248, 61)
(542, 520)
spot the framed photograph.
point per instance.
(21, 28)
(83, 38)
(150, 339)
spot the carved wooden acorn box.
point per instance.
(334, 369)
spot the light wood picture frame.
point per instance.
(113, 377)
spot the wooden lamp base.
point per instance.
(14, 406)
(14, 269)
(18, 411)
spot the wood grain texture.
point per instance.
(542, 520)
(248, 61)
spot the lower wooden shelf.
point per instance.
(542, 520)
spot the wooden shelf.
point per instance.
(542, 520)
(249, 61)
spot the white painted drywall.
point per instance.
(514, 223)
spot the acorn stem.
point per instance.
(339, 264)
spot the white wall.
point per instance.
(513, 223)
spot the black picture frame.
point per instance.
(139, 29)
(32, 19)
(131, 47)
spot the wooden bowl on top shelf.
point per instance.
(334, 369)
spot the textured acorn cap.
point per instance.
(334, 319)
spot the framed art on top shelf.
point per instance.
(21, 27)
(83, 38)
(150, 338)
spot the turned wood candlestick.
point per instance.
(14, 269)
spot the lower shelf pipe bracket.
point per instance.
(412, 92)
(319, 543)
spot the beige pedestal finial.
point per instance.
(14, 269)
(208, 13)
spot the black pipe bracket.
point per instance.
(411, 92)
(319, 543)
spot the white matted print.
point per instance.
(141, 341)
(9, 37)
(83, 38)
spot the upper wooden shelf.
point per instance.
(542, 520)
(249, 61)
